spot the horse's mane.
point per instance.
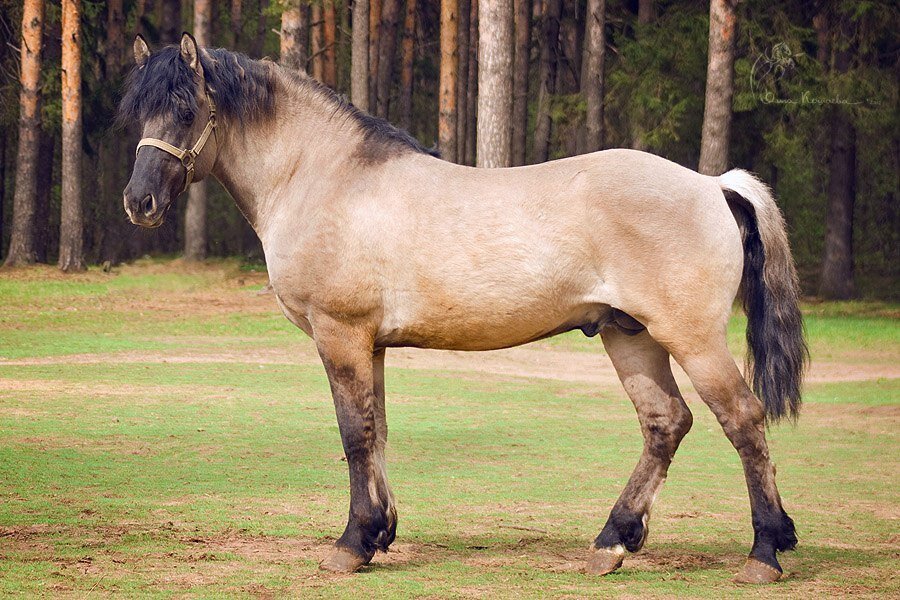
(243, 90)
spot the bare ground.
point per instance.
(531, 361)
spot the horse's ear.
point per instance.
(190, 52)
(141, 50)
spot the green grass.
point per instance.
(214, 477)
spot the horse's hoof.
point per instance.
(341, 560)
(604, 561)
(756, 571)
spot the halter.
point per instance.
(186, 156)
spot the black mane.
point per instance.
(242, 89)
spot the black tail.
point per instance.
(770, 290)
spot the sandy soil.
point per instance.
(531, 361)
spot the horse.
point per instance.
(373, 242)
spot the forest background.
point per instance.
(804, 93)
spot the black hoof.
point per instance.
(623, 528)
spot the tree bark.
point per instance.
(237, 21)
(716, 135)
(170, 21)
(46, 158)
(646, 11)
(71, 243)
(21, 245)
(837, 281)
(448, 75)
(195, 238)
(387, 49)
(406, 64)
(520, 80)
(3, 141)
(592, 78)
(293, 41)
(374, 39)
(646, 15)
(549, 59)
(472, 85)
(462, 77)
(262, 27)
(359, 56)
(329, 65)
(495, 61)
(317, 41)
(568, 76)
(115, 37)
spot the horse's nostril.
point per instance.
(148, 205)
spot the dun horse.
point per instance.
(372, 242)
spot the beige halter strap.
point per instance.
(186, 156)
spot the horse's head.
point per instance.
(168, 97)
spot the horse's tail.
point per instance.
(777, 353)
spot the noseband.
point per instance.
(186, 156)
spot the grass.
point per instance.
(164, 432)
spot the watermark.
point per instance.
(780, 63)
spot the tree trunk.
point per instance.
(293, 41)
(837, 265)
(237, 21)
(520, 80)
(259, 40)
(646, 11)
(549, 57)
(317, 42)
(359, 56)
(3, 142)
(406, 64)
(46, 156)
(170, 21)
(374, 39)
(716, 135)
(329, 64)
(447, 87)
(495, 61)
(21, 245)
(568, 74)
(646, 15)
(472, 85)
(462, 77)
(390, 10)
(71, 243)
(115, 37)
(195, 239)
(592, 75)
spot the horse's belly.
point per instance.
(452, 327)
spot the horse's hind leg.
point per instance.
(643, 366)
(742, 416)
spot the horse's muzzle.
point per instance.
(145, 211)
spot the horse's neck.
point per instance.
(260, 163)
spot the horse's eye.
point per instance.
(187, 117)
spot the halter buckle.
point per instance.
(187, 159)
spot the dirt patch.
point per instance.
(91, 390)
(873, 420)
(527, 362)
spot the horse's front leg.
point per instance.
(355, 373)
